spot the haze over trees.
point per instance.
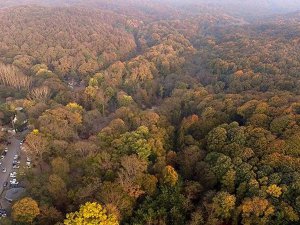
(154, 112)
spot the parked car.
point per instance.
(28, 159)
(15, 162)
(3, 213)
(4, 170)
(14, 181)
(5, 184)
(13, 175)
(2, 157)
(6, 149)
(14, 185)
(16, 166)
(16, 157)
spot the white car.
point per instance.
(2, 157)
(6, 149)
(28, 159)
(13, 175)
(28, 164)
(14, 181)
(4, 170)
(16, 157)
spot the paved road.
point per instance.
(13, 149)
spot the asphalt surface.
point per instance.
(13, 149)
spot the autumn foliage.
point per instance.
(142, 112)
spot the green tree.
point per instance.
(217, 139)
(134, 142)
(167, 207)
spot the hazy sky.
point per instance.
(247, 8)
(252, 7)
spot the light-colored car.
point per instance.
(14, 181)
(16, 157)
(4, 170)
(28, 164)
(13, 175)
(28, 159)
(2, 157)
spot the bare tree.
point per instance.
(11, 76)
(40, 93)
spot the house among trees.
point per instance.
(20, 120)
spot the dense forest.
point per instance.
(143, 112)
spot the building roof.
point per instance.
(14, 193)
(19, 109)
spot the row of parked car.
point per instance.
(4, 153)
(13, 183)
(16, 165)
(2, 157)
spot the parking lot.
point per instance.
(7, 162)
(9, 168)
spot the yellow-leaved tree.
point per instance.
(170, 176)
(274, 190)
(91, 214)
(25, 210)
